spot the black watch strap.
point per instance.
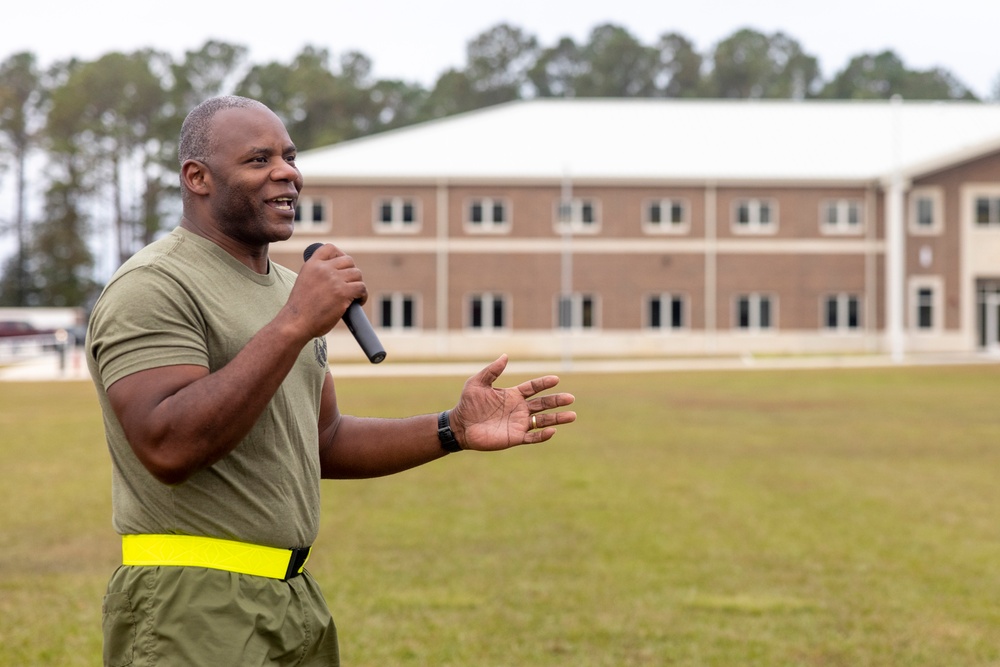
(445, 435)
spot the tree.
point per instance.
(498, 62)
(20, 101)
(397, 104)
(453, 93)
(618, 65)
(557, 70)
(751, 65)
(680, 67)
(205, 73)
(496, 71)
(882, 75)
(62, 263)
(109, 113)
(318, 106)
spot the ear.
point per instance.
(196, 177)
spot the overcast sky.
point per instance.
(416, 41)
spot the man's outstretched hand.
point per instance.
(487, 418)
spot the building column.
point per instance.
(442, 268)
(895, 257)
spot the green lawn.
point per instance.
(843, 517)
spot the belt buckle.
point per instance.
(296, 562)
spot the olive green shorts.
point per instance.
(194, 616)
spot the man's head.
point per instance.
(196, 131)
(238, 174)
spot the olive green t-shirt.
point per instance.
(184, 300)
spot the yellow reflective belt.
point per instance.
(210, 552)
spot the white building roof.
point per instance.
(676, 140)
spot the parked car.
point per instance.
(13, 328)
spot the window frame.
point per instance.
(933, 304)
(579, 308)
(683, 226)
(935, 196)
(397, 225)
(493, 299)
(667, 322)
(576, 224)
(491, 226)
(992, 200)
(842, 302)
(397, 304)
(841, 226)
(754, 226)
(313, 225)
(755, 300)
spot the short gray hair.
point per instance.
(196, 132)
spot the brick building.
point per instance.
(659, 227)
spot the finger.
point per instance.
(541, 435)
(490, 374)
(537, 385)
(550, 401)
(328, 251)
(543, 421)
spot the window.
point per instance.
(840, 216)
(577, 215)
(841, 312)
(665, 216)
(925, 303)
(312, 213)
(397, 311)
(397, 214)
(755, 215)
(488, 215)
(925, 213)
(925, 308)
(577, 311)
(988, 211)
(487, 312)
(665, 311)
(754, 312)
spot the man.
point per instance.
(221, 415)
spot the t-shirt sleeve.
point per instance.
(146, 319)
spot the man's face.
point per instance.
(255, 181)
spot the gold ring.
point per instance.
(534, 422)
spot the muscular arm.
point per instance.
(485, 418)
(180, 419)
(362, 447)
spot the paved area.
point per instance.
(51, 367)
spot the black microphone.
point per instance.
(357, 322)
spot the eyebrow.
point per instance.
(260, 150)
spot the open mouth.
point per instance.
(282, 203)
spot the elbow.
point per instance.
(165, 467)
(169, 476)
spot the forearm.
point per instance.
(193, 420)
(361, 447)
(221, 408)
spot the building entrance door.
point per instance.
(988, 306)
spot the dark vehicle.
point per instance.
(11, 328)
(19, 334)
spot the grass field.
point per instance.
(816, 518)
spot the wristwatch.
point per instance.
(445, 435)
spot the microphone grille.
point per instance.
(310, 250)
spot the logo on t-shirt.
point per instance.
(319, 347)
